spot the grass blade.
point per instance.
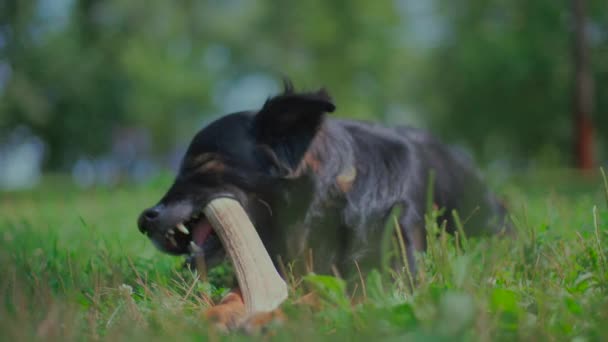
(605, 184)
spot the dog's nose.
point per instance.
(151, 214)
(147, 218)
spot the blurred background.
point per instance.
(112, 91)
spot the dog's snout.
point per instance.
(162, 217)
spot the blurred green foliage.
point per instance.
(493, 75)
(503, 78)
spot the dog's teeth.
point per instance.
(183, 228)
(172, 239)
(194, 248)
(171, 231)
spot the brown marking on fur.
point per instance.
(309, 162)
(212, 166)
(346, 179)
(207, 163)
(229, 313)
(201, 159)
(312, 160)
(311, 300)
(258, 322)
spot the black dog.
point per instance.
(309, 182)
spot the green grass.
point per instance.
(74, 266)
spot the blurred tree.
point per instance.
(583, 92)
(63, 83)
(498, 77)
(165, 66)
(501, 78)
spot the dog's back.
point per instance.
(363, 170)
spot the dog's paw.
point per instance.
(260, 323)
(229, 314)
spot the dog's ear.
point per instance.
(287, 124)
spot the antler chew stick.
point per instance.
(262, 287)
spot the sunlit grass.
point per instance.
(74, 266)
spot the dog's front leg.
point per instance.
(229, 313)
(413, 231)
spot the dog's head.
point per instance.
(241, 155)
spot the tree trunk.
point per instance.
(583, 91)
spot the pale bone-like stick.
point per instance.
(262, 288)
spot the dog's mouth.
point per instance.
(194, 236)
